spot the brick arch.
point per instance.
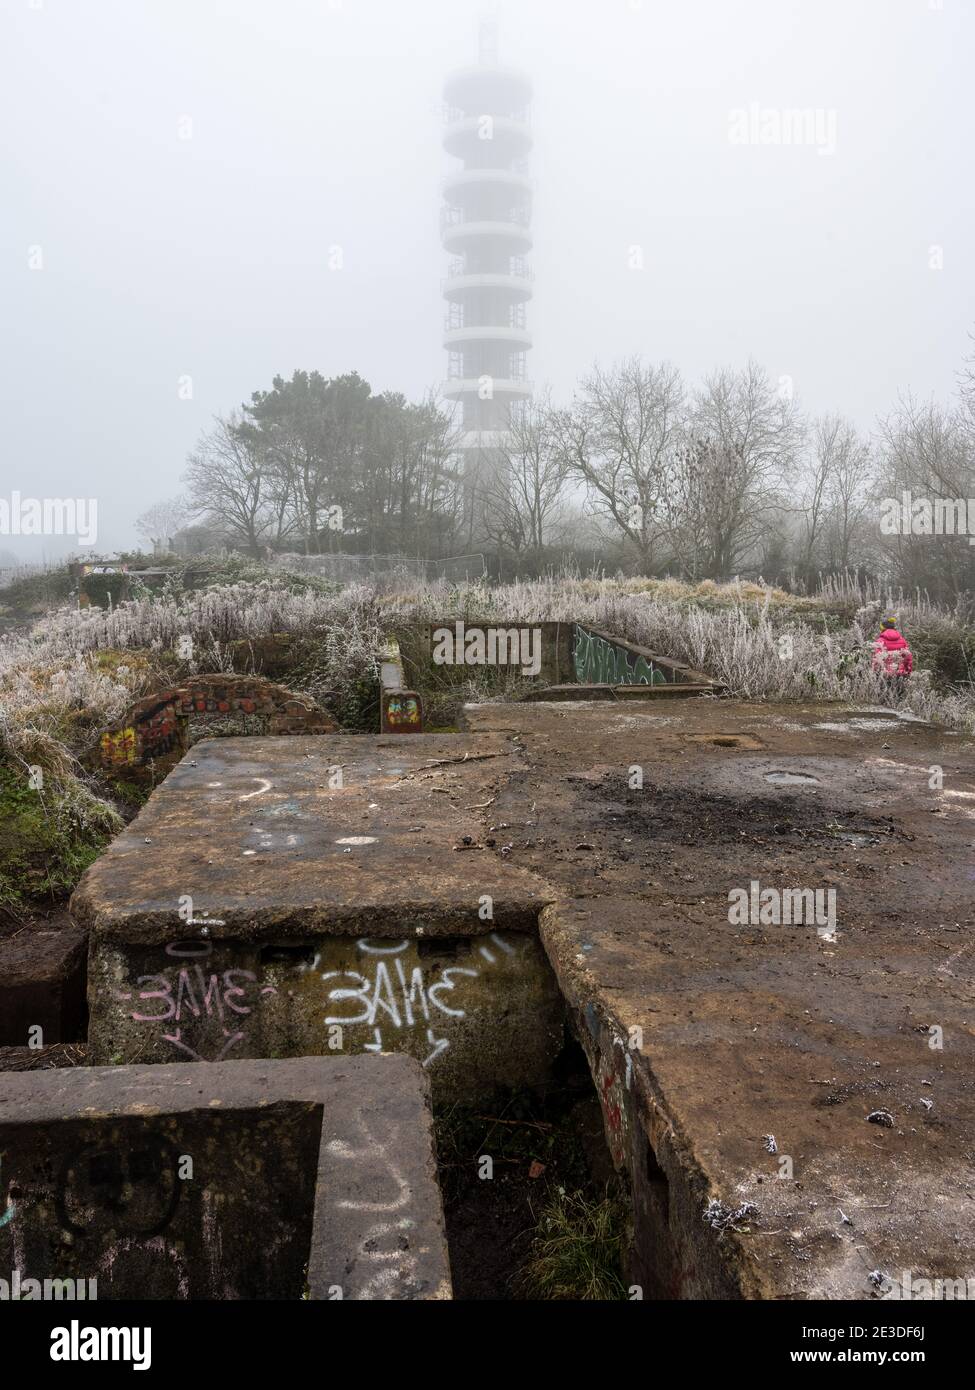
(155, 727)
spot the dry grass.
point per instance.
(577, 1251)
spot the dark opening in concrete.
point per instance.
(730, 740)
(528, 1167)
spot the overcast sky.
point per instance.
(317, 123)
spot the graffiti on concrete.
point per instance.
(186, 993)
(133, 1189)
(209, 1001)
(11, 1206)
(385, 1248)
(597, 661)
(389, 997)
(402, 712)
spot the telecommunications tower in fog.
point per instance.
(486, 226)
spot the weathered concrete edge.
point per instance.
(673, 1147)
(109, 924)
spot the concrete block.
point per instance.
(361, 913)
(312, 1178)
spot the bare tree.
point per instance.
(724, 481)
(849, 485)
(524, 497)
(818, 476)
(228, 479)
(926, 452)
(617, 437)
(160, 522)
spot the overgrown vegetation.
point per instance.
(49, 833)
(549, 1219)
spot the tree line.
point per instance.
(638, 471)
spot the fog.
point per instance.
(180, 173)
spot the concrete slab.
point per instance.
(342, 896)
(712, 1044)
(309, 1178)
(338, 835)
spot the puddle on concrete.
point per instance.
(854, 838)
(857, 836)
(792, 779)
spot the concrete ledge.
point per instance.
(296, 837)
(275, 1179)
(291, 897)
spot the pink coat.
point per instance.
(891, 654)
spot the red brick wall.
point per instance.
(155, 727)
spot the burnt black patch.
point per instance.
(683, 816)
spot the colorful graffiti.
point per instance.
(402, 712)
(118, 746)
(156, 726)
(597, 661)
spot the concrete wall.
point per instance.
(552, 640)
(477, 1012)
(570, 653)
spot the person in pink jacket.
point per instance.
(892, 656)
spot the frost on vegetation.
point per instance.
(76, 671)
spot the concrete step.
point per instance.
(619, 692)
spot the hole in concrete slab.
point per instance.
(552, 1205)
(729, 740)
(792, 779)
